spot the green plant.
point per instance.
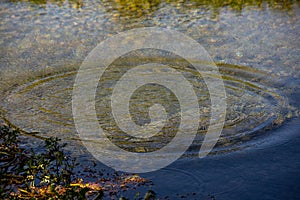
(48, 173)
(44, 175)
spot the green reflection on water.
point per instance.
(140, 8)
(73, 3)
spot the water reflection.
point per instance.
(255, 43)
(77, 4)
(142, 8)
(257, 52)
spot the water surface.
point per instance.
(255, 44)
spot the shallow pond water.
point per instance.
(255, 45)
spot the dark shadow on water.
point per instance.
(269, 171)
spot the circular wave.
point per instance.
(253, 106)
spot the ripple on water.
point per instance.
(253, 106)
